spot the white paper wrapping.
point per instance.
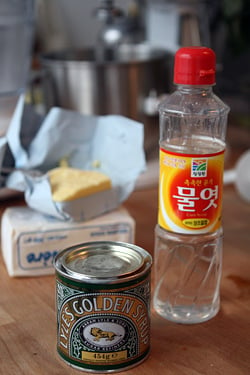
(110, 144)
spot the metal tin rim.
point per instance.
(142, 257)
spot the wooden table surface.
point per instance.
(219, 346)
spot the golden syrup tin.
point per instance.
(103, 305)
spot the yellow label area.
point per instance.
(104, 357)
(196, 223)
(190, 192)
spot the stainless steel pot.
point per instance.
(116, 83)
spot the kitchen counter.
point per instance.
(219, 346)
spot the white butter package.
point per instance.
(30, 240)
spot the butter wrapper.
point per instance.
(109, 144)
(31, 240)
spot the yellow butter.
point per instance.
(69, 183)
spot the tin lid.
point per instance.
(102, 261)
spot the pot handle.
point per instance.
(41, 92)
(152, 101)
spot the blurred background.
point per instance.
(224, 25)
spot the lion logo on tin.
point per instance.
(99, 334)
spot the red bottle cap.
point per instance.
(194, 66)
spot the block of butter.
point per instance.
(71, 183)
(30, 240)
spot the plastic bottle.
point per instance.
(188, 236)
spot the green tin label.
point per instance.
(103, 329)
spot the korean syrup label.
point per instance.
(103, 329)
(190, 192)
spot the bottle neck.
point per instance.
(195, 89)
